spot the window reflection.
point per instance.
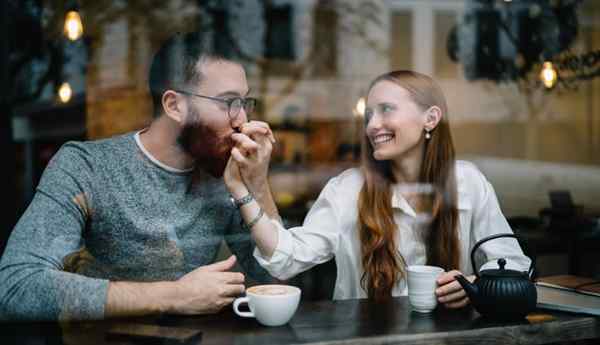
(308, 62)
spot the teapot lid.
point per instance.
(502, 272)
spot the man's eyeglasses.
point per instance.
(234, 104)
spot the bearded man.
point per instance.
(131, 225)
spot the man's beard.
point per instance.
(209, 152)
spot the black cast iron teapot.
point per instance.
(501, 293)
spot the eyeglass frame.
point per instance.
(228, 101)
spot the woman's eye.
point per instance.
(386, 108)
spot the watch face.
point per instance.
(241, 201)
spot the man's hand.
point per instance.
(233, 179)
(252, 153)
(449, 291)
(208, 289)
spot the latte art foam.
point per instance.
(270, 290)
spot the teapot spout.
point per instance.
(470, 288)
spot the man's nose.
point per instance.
(239, 120)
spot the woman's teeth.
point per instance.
(382, 138)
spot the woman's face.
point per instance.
(394, 123)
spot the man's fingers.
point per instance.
(232, 277)
(231, 164)
(245, 143)
(238, 157)
(233, 290)
(221, 266)
(226, 301)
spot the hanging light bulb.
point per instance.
(359, 109)
(548, 75)
(73, 26)
(65, 92)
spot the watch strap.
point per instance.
(242, 201)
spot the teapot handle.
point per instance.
(493, 237)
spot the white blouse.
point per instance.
(330, 229)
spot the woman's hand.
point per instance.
(449, 292)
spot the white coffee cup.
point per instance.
(271, 305)
(422, 282)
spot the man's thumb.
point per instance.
(221, 266)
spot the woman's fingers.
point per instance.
(447, 277)
(450, 292)
(448, 288)
(253, 128)
(452, 297)
(458, 304)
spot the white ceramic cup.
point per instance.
(421, 287)
(271, 305)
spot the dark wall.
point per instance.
(7, 146)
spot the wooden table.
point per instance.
(324, 322)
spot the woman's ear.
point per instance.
(173, 106)
(433, 116)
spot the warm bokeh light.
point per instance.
(548, 75)
(65, 92)
(73, 26)
(359, 110)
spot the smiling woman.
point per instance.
(403, 107)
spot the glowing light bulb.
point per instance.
(360, 107)
(65, 92)
(548, 75)
(73, 26)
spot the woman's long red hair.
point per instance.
(382, 262)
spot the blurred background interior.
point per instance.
(521, 79)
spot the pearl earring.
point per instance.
(427, 134)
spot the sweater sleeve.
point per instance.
(33, 284)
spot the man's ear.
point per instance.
(173, 106)
(433, 116)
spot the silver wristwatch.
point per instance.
(242, 201)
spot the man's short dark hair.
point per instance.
(174, 64)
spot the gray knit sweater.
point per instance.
(137, 220)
